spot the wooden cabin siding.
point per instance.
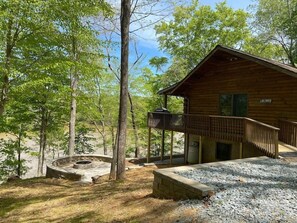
(244, 77)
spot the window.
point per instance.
(223, 151)
(233, 105)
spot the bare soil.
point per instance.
(57, 200)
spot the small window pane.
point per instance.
(240, 105)
(226, 104)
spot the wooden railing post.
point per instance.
(288, 132)
(276, 144)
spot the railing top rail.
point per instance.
(165, 113)
(229, 117)
(262, 124)
(288, 121)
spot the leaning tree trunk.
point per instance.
(122, 125)
(136, 139)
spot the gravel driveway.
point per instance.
(253, 191)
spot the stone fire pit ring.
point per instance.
(79, 162)
(83, 164)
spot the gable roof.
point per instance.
(283, 68)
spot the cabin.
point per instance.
(236, 105)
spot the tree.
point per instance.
(99, 105)
(22, 25)
(80, 44)
(276, 23)
(122, 126)
(143, 14)
(196, 29)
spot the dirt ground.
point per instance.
(56, 200)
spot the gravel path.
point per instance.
(253, 191)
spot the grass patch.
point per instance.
(55, 200)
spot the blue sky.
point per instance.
(146, 40)
(236, 4)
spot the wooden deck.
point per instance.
(236, 129)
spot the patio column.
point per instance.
(200, 150)
(171, 148)
(240, 150)
(163, 131)
(186, 148)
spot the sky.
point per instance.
(146, 38)
(236, 4)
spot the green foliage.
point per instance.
(82, 141)
(37, 62)
(9, 162)
(276, 22)
(197, 29)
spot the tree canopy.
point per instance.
(196, 29)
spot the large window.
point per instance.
(233, 105)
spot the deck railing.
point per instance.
(288, 132)
(237, 129)
(262, 136)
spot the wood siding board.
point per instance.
(257, 82)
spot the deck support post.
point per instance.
(162, 145)
(276, 144)
(149, 145)
(186, 145)
(171, 148)
(240, 150)
(163, 131)
(200, 150)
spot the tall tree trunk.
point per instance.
(42, 141)
(112, 175)
(73, 87)
(122, 126)
(71, 144)
(136, 139)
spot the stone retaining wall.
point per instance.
(168, 184)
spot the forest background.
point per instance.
(60, 68)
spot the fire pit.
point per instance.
(79, 167)
(83, 164)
